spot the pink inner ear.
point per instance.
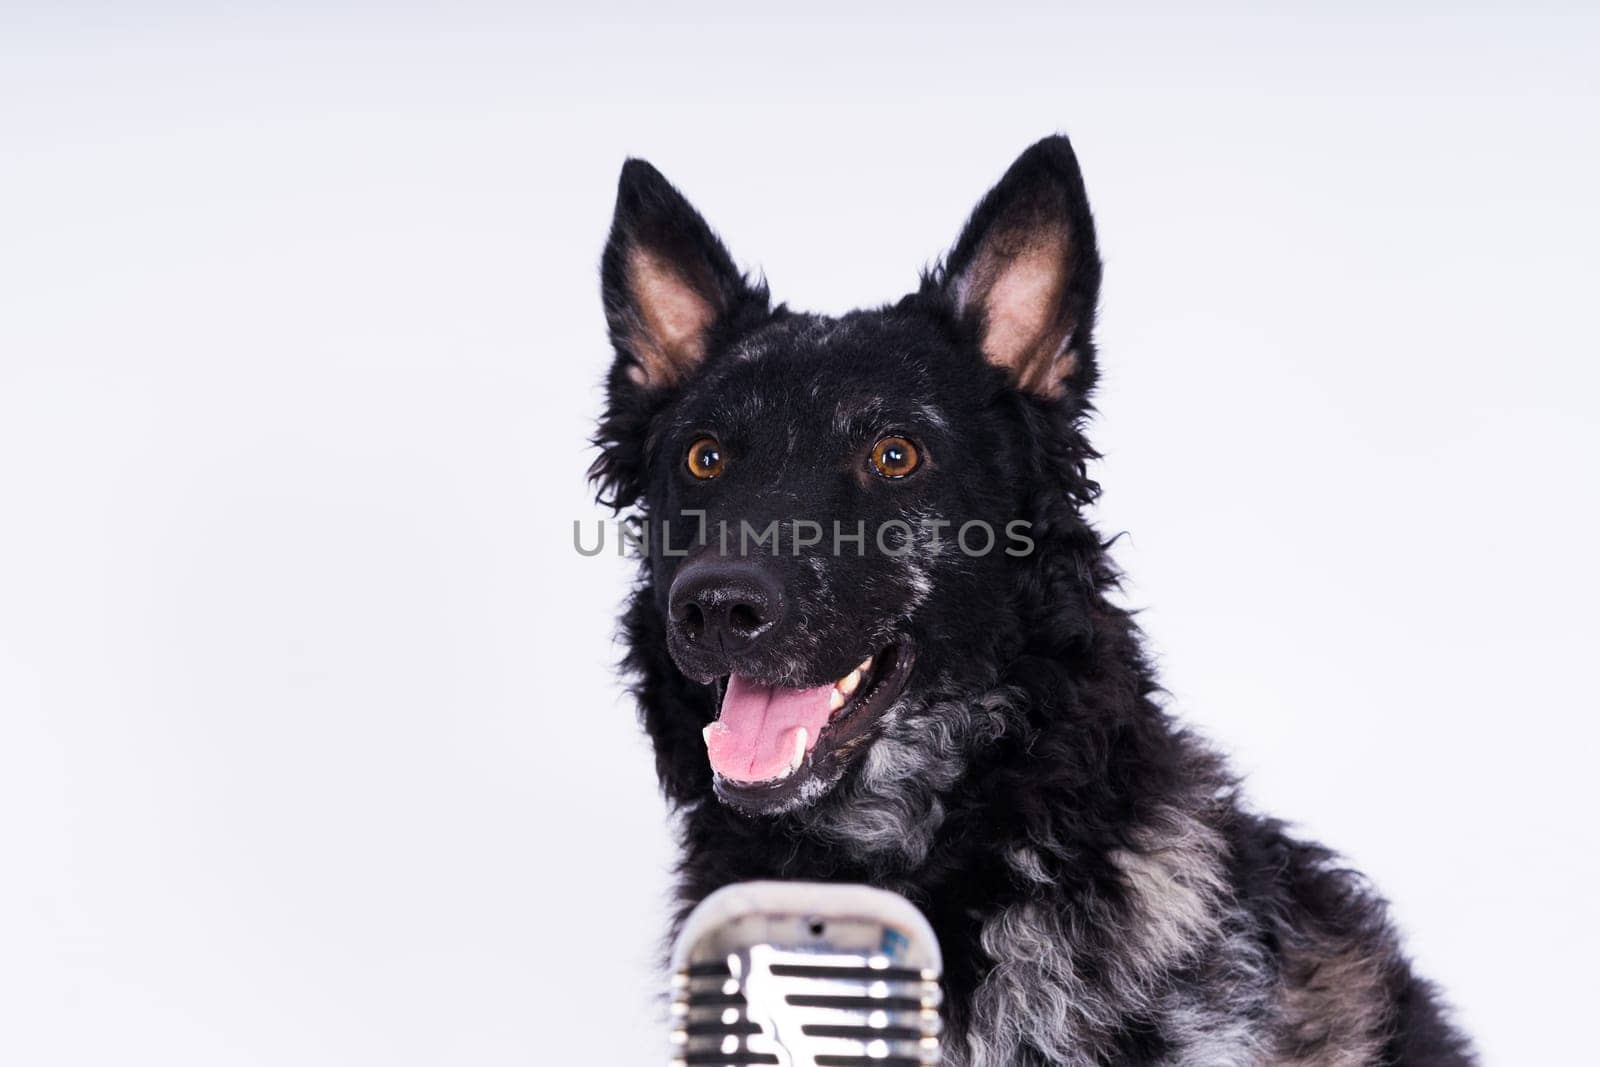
(1020, 292)
(670, 336)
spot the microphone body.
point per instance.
(805, 974)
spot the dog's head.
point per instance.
(849, 523)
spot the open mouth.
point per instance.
(768, 741)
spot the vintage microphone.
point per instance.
(805, 974)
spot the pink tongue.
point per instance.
(753, 740)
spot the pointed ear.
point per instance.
(1026, 274)
(667, 281)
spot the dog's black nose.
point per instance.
(724, 605)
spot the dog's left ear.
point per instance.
(1025, 273)
(668, 283)
(672, 295)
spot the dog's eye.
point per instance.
(705, 458)
(895, 457)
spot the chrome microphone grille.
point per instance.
(804, 974)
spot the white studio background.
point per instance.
(311, 750)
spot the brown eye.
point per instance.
(895, 457)
(705, 458)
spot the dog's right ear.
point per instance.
(671, 292)
(668, 283)
(1026, 274)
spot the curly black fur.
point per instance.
(1101, 893)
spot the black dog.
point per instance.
(874, 642)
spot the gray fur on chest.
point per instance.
(1065, 980)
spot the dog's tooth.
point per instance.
(866, 665)
(835, 699)
(706, 733)
(801, 736)
(848, 683)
